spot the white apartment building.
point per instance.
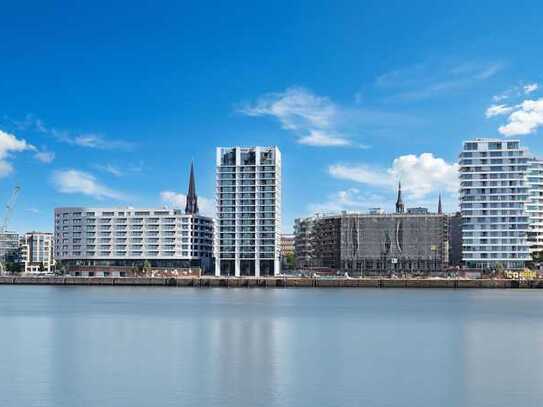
(497, 203)
(248, 211)
(534, 207)
(111, 241)
(37, 252)
(101, 238)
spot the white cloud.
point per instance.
(500, 97)
(45, 156)
(311, 117)
(30, 122)
(489, 71)
(178, 200)
(496, 110)
(420, 175)
(425, 173)
(120, 171)
(433, 78)
(516, 91)
(531, 87)
(527, 117)
(79, 182)
(98, 141)
(361, 174)
(319, 138)
(10, 144)
(110, 169)
(350, 200)
(318, 121)
(87, 140)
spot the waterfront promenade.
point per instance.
(274, 282)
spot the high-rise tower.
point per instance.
(495, 201)
(248, 211)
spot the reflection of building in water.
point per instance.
(378, 243)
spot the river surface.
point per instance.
(159, 346)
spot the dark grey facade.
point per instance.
(394, 244)
(375, 244)
(416, 242)
(455, 239)
(303, 245)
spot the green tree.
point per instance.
(499, 269)
(13, 266)
(537, 257)
(290, 260)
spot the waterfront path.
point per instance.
(272, 282)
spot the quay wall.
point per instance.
(271, 282)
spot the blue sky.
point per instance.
(107, 104)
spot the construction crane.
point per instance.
(4, 227)
(9, 207)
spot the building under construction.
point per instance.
(415, 242)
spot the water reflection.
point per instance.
(66, 346)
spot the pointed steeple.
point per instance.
(399, 203)
(191, 208)
(439, 209)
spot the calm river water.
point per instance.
(124, 346)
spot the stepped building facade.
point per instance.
(501, 202)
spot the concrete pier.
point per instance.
(271, 282)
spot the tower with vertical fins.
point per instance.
(439, 209)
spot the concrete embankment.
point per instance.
(271, 282)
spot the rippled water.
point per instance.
(124, 346)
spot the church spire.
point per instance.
(399, 203)
(439, 209)
(191, 208)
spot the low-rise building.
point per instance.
(9, 251)
(287, 244)
(287, 250)
(37, 253)
(376, 243)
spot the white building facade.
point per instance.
(37, 252)
(534, 207)
(495, 195)
(248, 190)
(102, 238)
